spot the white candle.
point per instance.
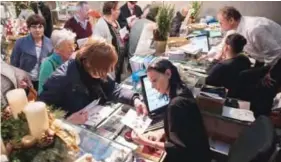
(37, 118)
(17, 100)
(3, 148)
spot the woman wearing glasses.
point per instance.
(64, 45)
(29, 51)
(185, 135)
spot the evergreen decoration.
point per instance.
(195, 5)
(49, 148)
(164, 20)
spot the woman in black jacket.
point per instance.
(227, 73)
(186, 139)
(78, 82)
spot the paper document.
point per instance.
(131, 19)
(239, 114)
(123, 32)
(91, 105)
(97, 113)
(138, 123)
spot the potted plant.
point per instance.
(163, 20)
(195, 10)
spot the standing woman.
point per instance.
(186, 139)
(108, 28)
(29, 51)
(44, 10)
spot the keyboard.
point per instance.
(155, 124)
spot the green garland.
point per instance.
(54, 153)
(13, 130)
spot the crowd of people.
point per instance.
(70, 77)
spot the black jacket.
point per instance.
(71, 88)
(186, 137)
(176, 24)
(125, 13)
(228, 74)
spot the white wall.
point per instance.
(269, 9)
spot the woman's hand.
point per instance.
(140, 139)
(152, 136)
(78, 117)
(268, 81)
(140, 107)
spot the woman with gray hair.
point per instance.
(64, 45)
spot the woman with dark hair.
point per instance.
(44, 10)
(185, 134)
(227, 72)
(29, 51)
(78, 82)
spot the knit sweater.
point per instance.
(73, 25)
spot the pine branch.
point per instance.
(164, 20)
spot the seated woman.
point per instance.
(78, 82)
(64, 45)
(185, 134)
(29, 51)
(226, 72)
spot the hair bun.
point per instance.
(243, 40)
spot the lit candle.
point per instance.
(17, 100)
(37, 118)
(3, 148)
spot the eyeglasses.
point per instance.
(36, 26)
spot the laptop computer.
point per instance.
(201, 41)
(156, 103)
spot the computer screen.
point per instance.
(154, 99)
(201, 42)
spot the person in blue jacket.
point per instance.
(29, 51)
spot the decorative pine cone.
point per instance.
(46, 140)
(5, 115)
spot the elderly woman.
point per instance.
(108, 28)
(78, 82)
(29, 51)
(64, 45)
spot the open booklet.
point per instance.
(239, 114)
(138, 123)
(97, 113)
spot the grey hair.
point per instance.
(80, 5)
(59, 36)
